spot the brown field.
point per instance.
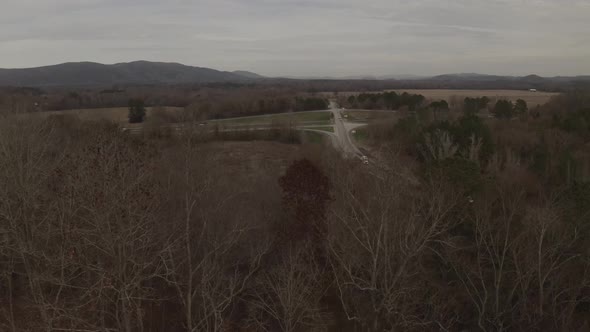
(116, 114)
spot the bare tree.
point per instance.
(519, 251)
(288, 297)
(26, 163)
(379, 243)
(110, 188)
(208, 262)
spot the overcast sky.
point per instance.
(305, 37)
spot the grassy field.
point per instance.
(119, 115)
(329, 129)
(365, 116)
(319, 117)
(116, 114)
(312, 137)
(361, 134)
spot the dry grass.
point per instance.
(116, 114)
(254, 159)
(329, 129)
(366, 116)
(299, 117)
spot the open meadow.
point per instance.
(319, 118)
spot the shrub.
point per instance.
(473, 105)
(504, 109)
(136, 111)
(460, 172)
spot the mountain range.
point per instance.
(138, 72)
(153, 73)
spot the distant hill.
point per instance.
(96, 74)
(402, 77)
(470, 77)
(533, 78)
(248, 74)
(156, 73)
(514, 82)
(525, 79)
(331, 78)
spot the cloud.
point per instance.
(305, 37)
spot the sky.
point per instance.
(307, 37)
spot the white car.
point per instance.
(365, 160)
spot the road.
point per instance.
(341, 138)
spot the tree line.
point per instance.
(384, 100)
(218, 101)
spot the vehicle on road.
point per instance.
(365, 160)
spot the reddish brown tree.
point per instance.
(306, 192)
